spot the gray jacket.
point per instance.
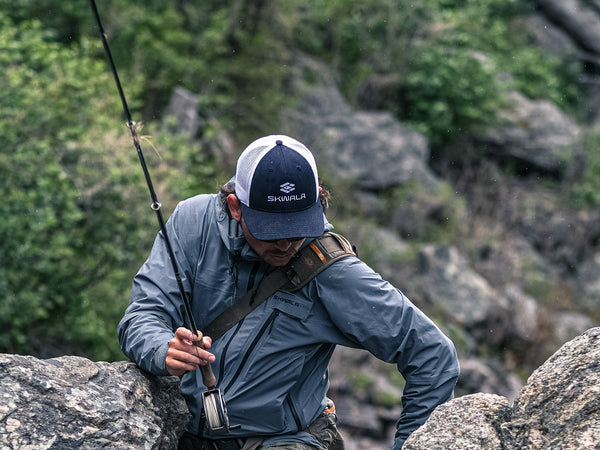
(272, 366)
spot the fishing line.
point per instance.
(156, 206)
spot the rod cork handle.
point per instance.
(208, 377)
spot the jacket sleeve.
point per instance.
(374, 315)
(155, 308)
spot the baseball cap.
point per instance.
(277, 184)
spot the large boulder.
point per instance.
(471, 422)
(558, 408)
(369, 148)
(578, 18)
(70, 402)
(560, 405)
(536, 136)
(73, 403)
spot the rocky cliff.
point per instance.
(559, 408)
(73, 403)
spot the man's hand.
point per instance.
(183, 355)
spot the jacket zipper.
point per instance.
(261, 332)
(295, 415)
(251, 281)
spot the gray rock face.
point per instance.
(74, 403)
(469, 422)
(538, 134)
(451, 287)
(580, 19)
(560, 405)
(558, 408)
(372, 149)
(182, 108)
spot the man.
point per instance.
(271, 367)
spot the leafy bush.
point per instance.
(76, 222)
(450, 92)
(46, 102)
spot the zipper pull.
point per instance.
(275, 314)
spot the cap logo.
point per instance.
(288, 187)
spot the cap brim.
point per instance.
(268, 226)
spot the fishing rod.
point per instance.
(156, 206)
(214, 404)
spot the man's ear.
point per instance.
(233, 203)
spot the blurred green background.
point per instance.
(75, 222)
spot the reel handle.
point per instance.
(208, 377)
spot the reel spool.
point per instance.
(215, 410)
(212, 399)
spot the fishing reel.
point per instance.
(213, 402)
(215, 410)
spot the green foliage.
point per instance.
(358, 38)
(450, 92)
(586, 194)
(64, 22)
(447, 54)
(76, 222)
(493, 27)
(45, 103)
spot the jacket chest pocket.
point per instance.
(291, 305)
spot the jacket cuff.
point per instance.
(159, 364)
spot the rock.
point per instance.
(588, 283)
(449, 286)
(469, 422)
(371, 149)
(512, 259)
(579, 19)
(73, 403)
(380, 92)
(559, 407)
(376, 244)
(181, 114)
(547, 36)
(539, 137)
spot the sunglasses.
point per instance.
(296, 239)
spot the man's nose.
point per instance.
(282, 244)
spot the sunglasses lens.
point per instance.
(296, 239)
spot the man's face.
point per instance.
(277, 252)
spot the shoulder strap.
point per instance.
(311, 260)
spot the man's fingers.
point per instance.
(178, 368)
(186, 341)
(183, 356)
(186, 335)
